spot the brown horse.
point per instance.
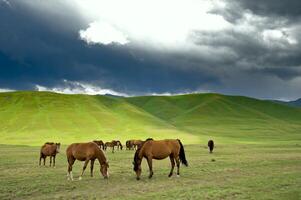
(86, 152)
(112, 144)
(133, 144)
(128, 145)
(100, 144)
(159, 149)
(210, 145)
(49, 149)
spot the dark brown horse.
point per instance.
(49, 149)
(100, 144)
(112, 144)
(128, 145)
(159, 149)
(210, 145)
(86, 152)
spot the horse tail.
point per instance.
(182, 154)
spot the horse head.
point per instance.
(104, 169)
(58, 146)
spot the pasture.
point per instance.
(233, 171)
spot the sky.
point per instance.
(142, 47)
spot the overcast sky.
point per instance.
(138, 47)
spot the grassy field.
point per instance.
(31, 118)
(239, 172)
(258, 153)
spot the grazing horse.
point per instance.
(128, 145)
(112, 144)
(49, 149)
(134, 144)
(210, 145)
(159, 149)
(86, 152)
(119, 145)
(100, 144)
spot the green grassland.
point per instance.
(243, 171)
(257, 155)
(32, 118)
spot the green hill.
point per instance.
(35, 117)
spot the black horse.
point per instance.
(210, 145)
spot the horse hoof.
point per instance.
(137, 178)
(169, 175)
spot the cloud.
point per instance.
(6, 90)
(152, 47)
(157, 23)
(73, 87)
(102, 33)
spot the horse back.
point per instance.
(82, 151)
(48, 149)
(160, 149)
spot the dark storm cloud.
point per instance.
(38, 49)
(40, 45)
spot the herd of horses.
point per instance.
(149, 149)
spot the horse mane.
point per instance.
(49, 143)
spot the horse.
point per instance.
(159, 149)
(49, 149)
(119, 145)
(86, 152)
(112, 144)
(100, 144)
(210, 145)
(134, 144)
(128, 145)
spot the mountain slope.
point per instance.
(296, 103)
(35, 117)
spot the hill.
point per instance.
(296, 103)
(34, 117)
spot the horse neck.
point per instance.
(101, 158)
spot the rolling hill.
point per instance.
(34, 117)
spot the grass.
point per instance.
(244, 171)
(32, 118)
(258, 153)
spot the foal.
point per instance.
(49, 149)
(86, 152)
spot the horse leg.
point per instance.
(178, 166)
(85, 166)
(91, 166)
(50, 160)
(150, 165)
(70, 163)
(54, 160)
(44, 160)
(172, 161)
(113, 149)
(40, 160)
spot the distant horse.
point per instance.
(135, 143)
(100, 143)
(119, 145)
(159, 149)
(86, 152)
(210, 145)
(128, 145)
(112, 144)
(49, 149)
